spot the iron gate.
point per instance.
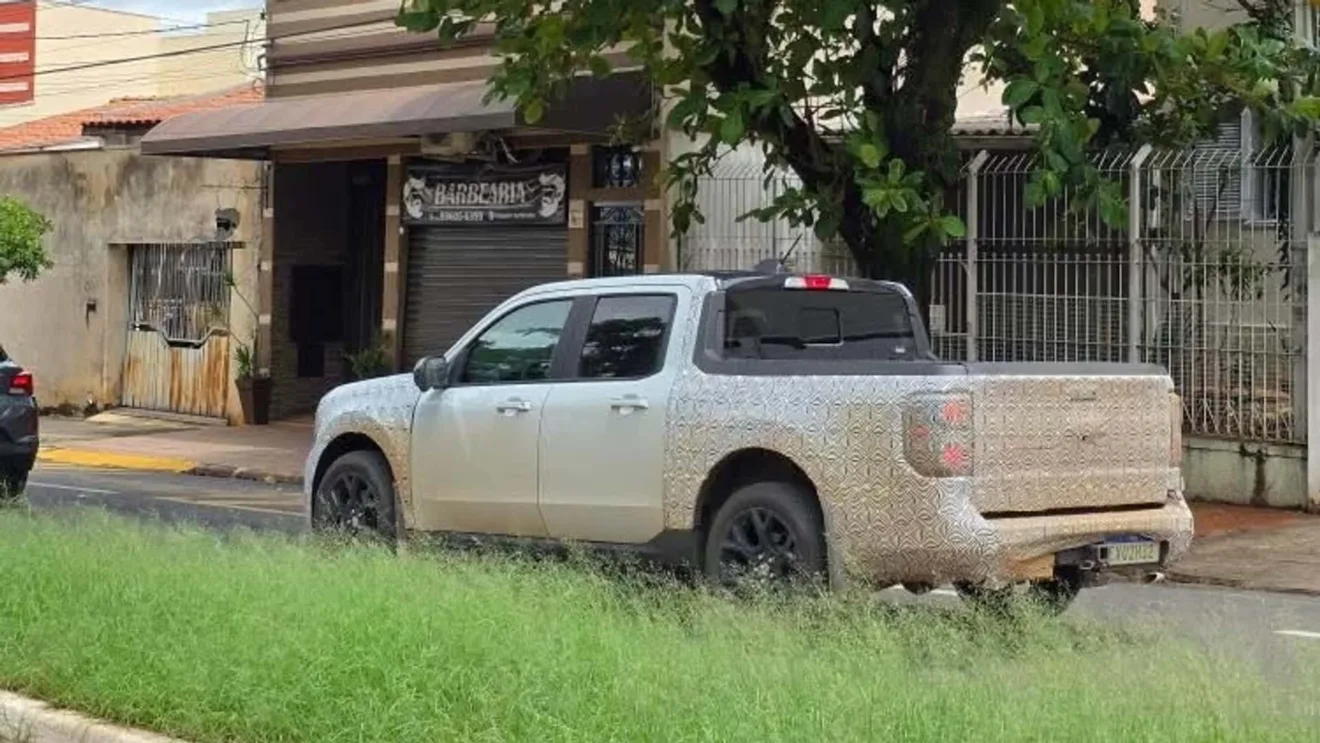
(177, 358)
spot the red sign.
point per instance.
(18, 51)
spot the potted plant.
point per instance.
(254, 386)
(369, 363)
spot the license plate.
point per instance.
(1135, 552)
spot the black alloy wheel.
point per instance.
(767, 535)
(356, 497)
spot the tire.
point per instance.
(356, 497)
(738, 553)
(1051, 596)
(12, 484)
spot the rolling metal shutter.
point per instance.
(458, 274)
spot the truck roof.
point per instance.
(697, 280)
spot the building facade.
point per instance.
(58, 58)
(154, 262)
(404, 207)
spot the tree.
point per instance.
(858, 97)
(21, 234)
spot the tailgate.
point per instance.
(1055, 441)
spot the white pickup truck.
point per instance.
(762, 426)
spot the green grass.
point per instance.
(252, 638)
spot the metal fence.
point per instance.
(1203, 275)
(180, 290)
(726, 242)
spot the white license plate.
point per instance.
(1132, 553)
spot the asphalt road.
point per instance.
(212, 502)
(1279, 631)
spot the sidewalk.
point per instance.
(1253, 548)
(274, 453)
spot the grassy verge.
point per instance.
(261, 639)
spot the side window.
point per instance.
(519, 346)
(626, 339)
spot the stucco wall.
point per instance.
(94, 199)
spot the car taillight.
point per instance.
(816, 282)
(20, 385)
(938, 435)
(1175, 435)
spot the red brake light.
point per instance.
(816, 282)
(938, 435)
(954, 457)
(956, 412)
(21, 385)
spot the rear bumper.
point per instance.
(1027, 546)
(951, 542)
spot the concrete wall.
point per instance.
(94, 199)
(1245, 473)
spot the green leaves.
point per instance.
(22, 233)
(854, 98)
(1019, 91)
(952, 225)
(732, 128)
(533, 110)
(870, 155)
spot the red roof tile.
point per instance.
(68, 128)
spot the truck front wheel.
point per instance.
(356, 497)
(768, 534)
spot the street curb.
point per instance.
(1188, 579)
(230, 472)
(171, 465)
(111, 460)
(31, 721)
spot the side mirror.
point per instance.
(431, 373)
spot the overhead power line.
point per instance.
(142, 32)
(179, 52)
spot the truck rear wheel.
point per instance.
(768, 534)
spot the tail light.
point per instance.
(816, 282)
(1175, 428)
(21, 385)
(938, 435)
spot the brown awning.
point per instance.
(249, 131)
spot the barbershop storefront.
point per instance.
(478, 233)
(396, 218)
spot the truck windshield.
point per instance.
(775, 323)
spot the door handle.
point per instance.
(629, 403)
(513, 407)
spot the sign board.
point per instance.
(438, 194)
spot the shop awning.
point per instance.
(249, 131)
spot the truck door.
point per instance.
(475, 444)
(603, 433)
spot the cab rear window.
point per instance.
(783, 324)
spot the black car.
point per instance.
(18, 426)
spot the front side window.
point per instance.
(519, 347)
(626, 339)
